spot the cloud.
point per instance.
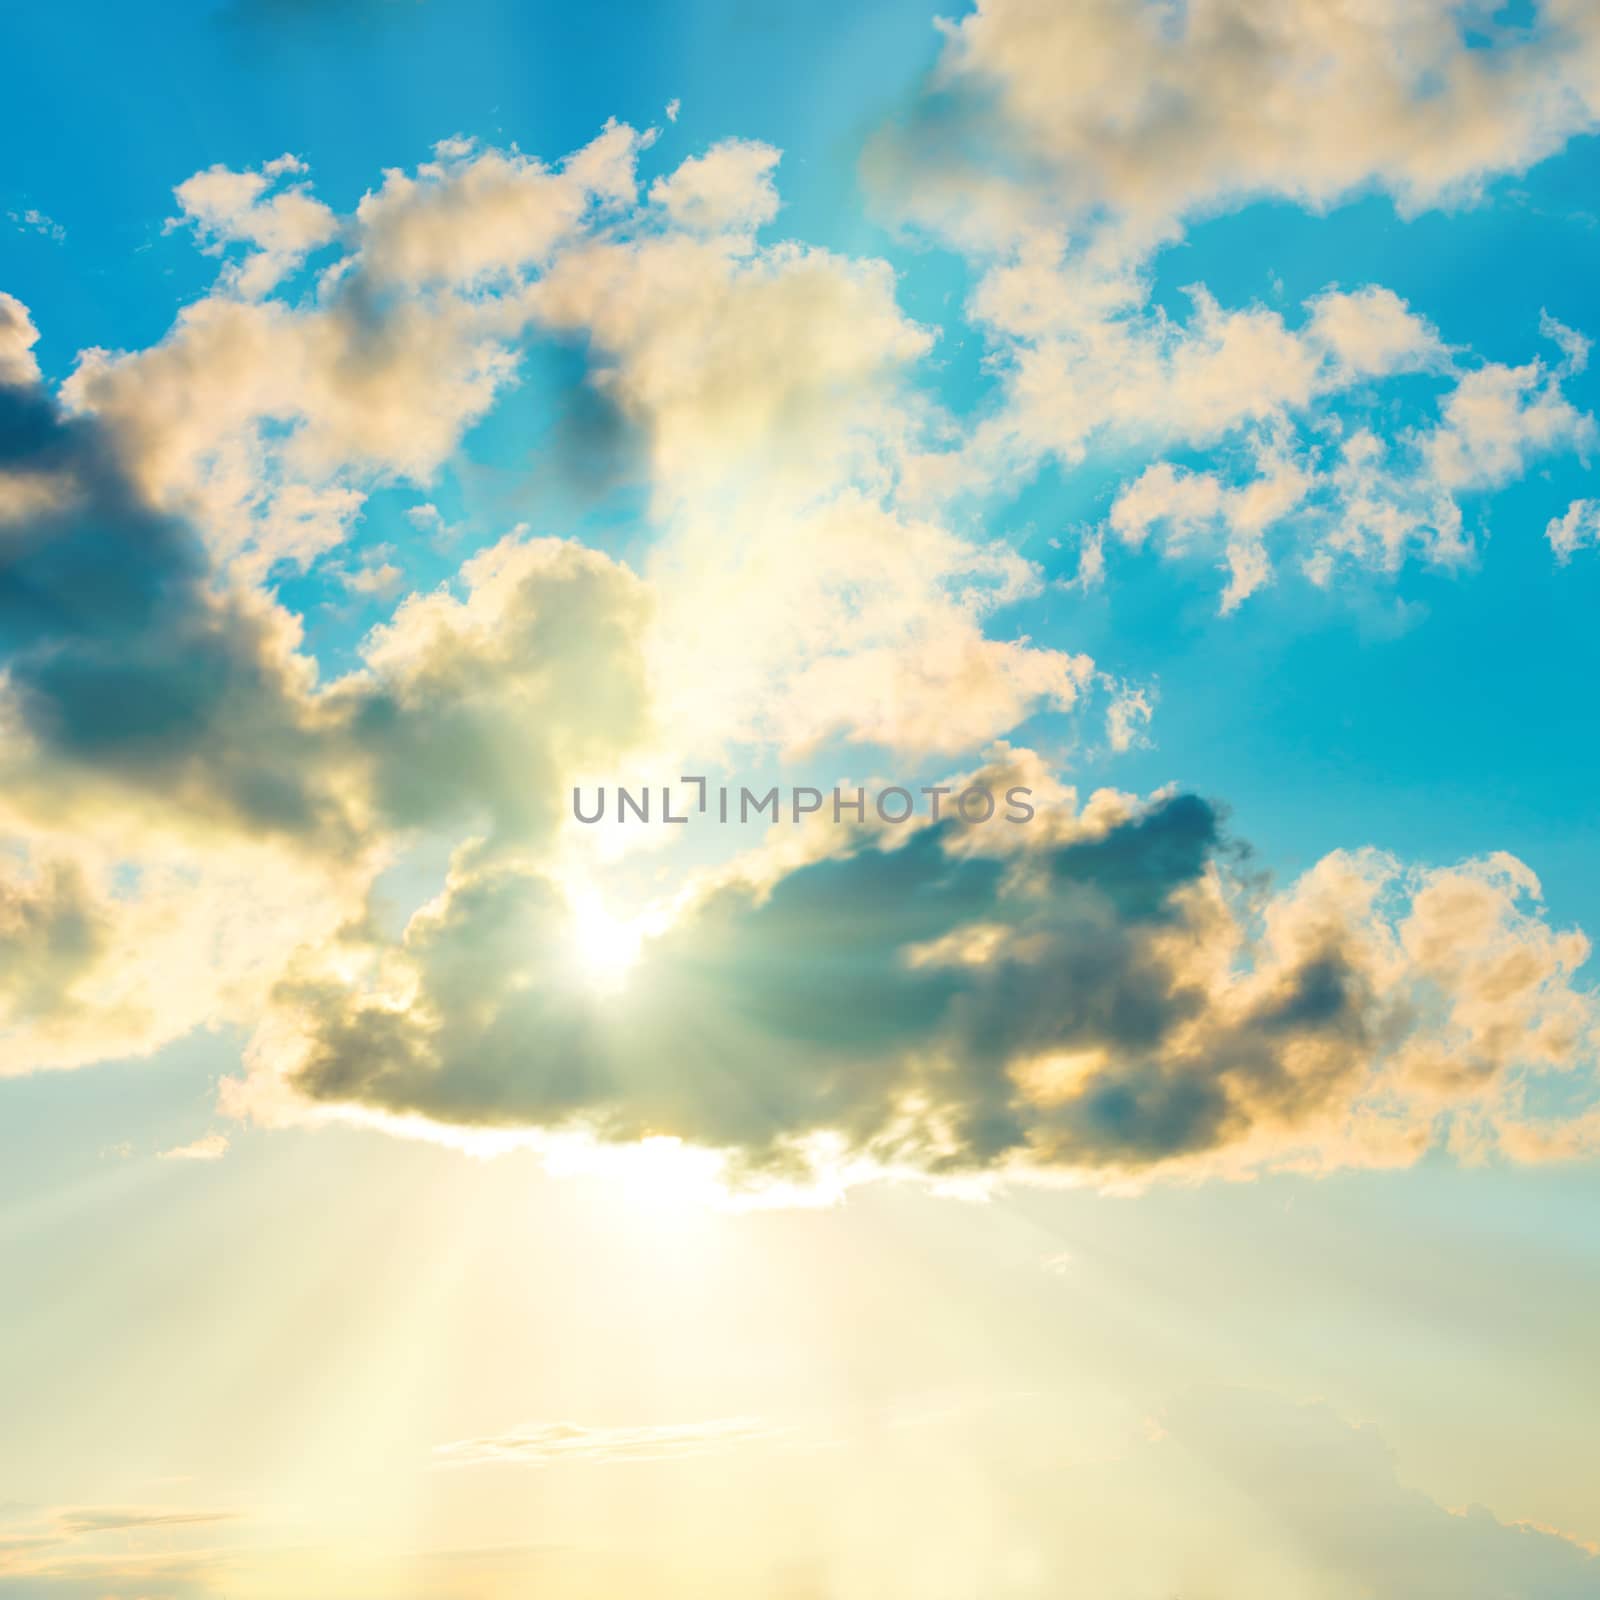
(1062, 149)
(472, 214)
(1577, 529)
(210, 1147)
(543, 1444)
(727, 190)
(1100, 996)
(1129, 714)
(1150, 115)
(1103, 367)
(63, 1551)
(184, 800)
(1339, 493)
(127, 664)
(226, 207)
(1106, 996)
(773, 387)
(264, 421)
(123, 663)
(50, 936)
(18, 336)
(32, 220)
(476, 709)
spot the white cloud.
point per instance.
(1157, 113)
(1063, 148)
(472, 214)
(1577, 529)
(210, 1147)
(18, 336)
(1336, 491)
(727, 190)
(1128, 716)
(284, 224)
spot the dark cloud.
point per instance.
(129, 661)
(123, 659)
(925, 1000)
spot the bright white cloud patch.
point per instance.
(727, 190)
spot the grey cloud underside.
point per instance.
(756, 1021)
(128, 661)
(119, 658)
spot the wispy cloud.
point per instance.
(539, 1444)
(213, 1147)
(59, 1549)
(120, 1519)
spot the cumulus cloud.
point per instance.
(267, 420)
(473, 213)
(1106, 995)
(128, 664)
(169, 704)
(474, 708)
(18, 336)
(1152, 114)
(122, 661)
(773, 387)
(727, 190)
(1100, 996)
(1337, 492)
(1104, 368)
(1062, 148)
(184, 799)
(282, 221)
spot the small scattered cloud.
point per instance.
(1578, 528)
(32, 220)
(211, 1147)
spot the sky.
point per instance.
(1126, 1125)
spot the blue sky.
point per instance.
(413, 411)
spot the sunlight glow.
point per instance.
(606, 946)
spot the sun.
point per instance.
(606, 946)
